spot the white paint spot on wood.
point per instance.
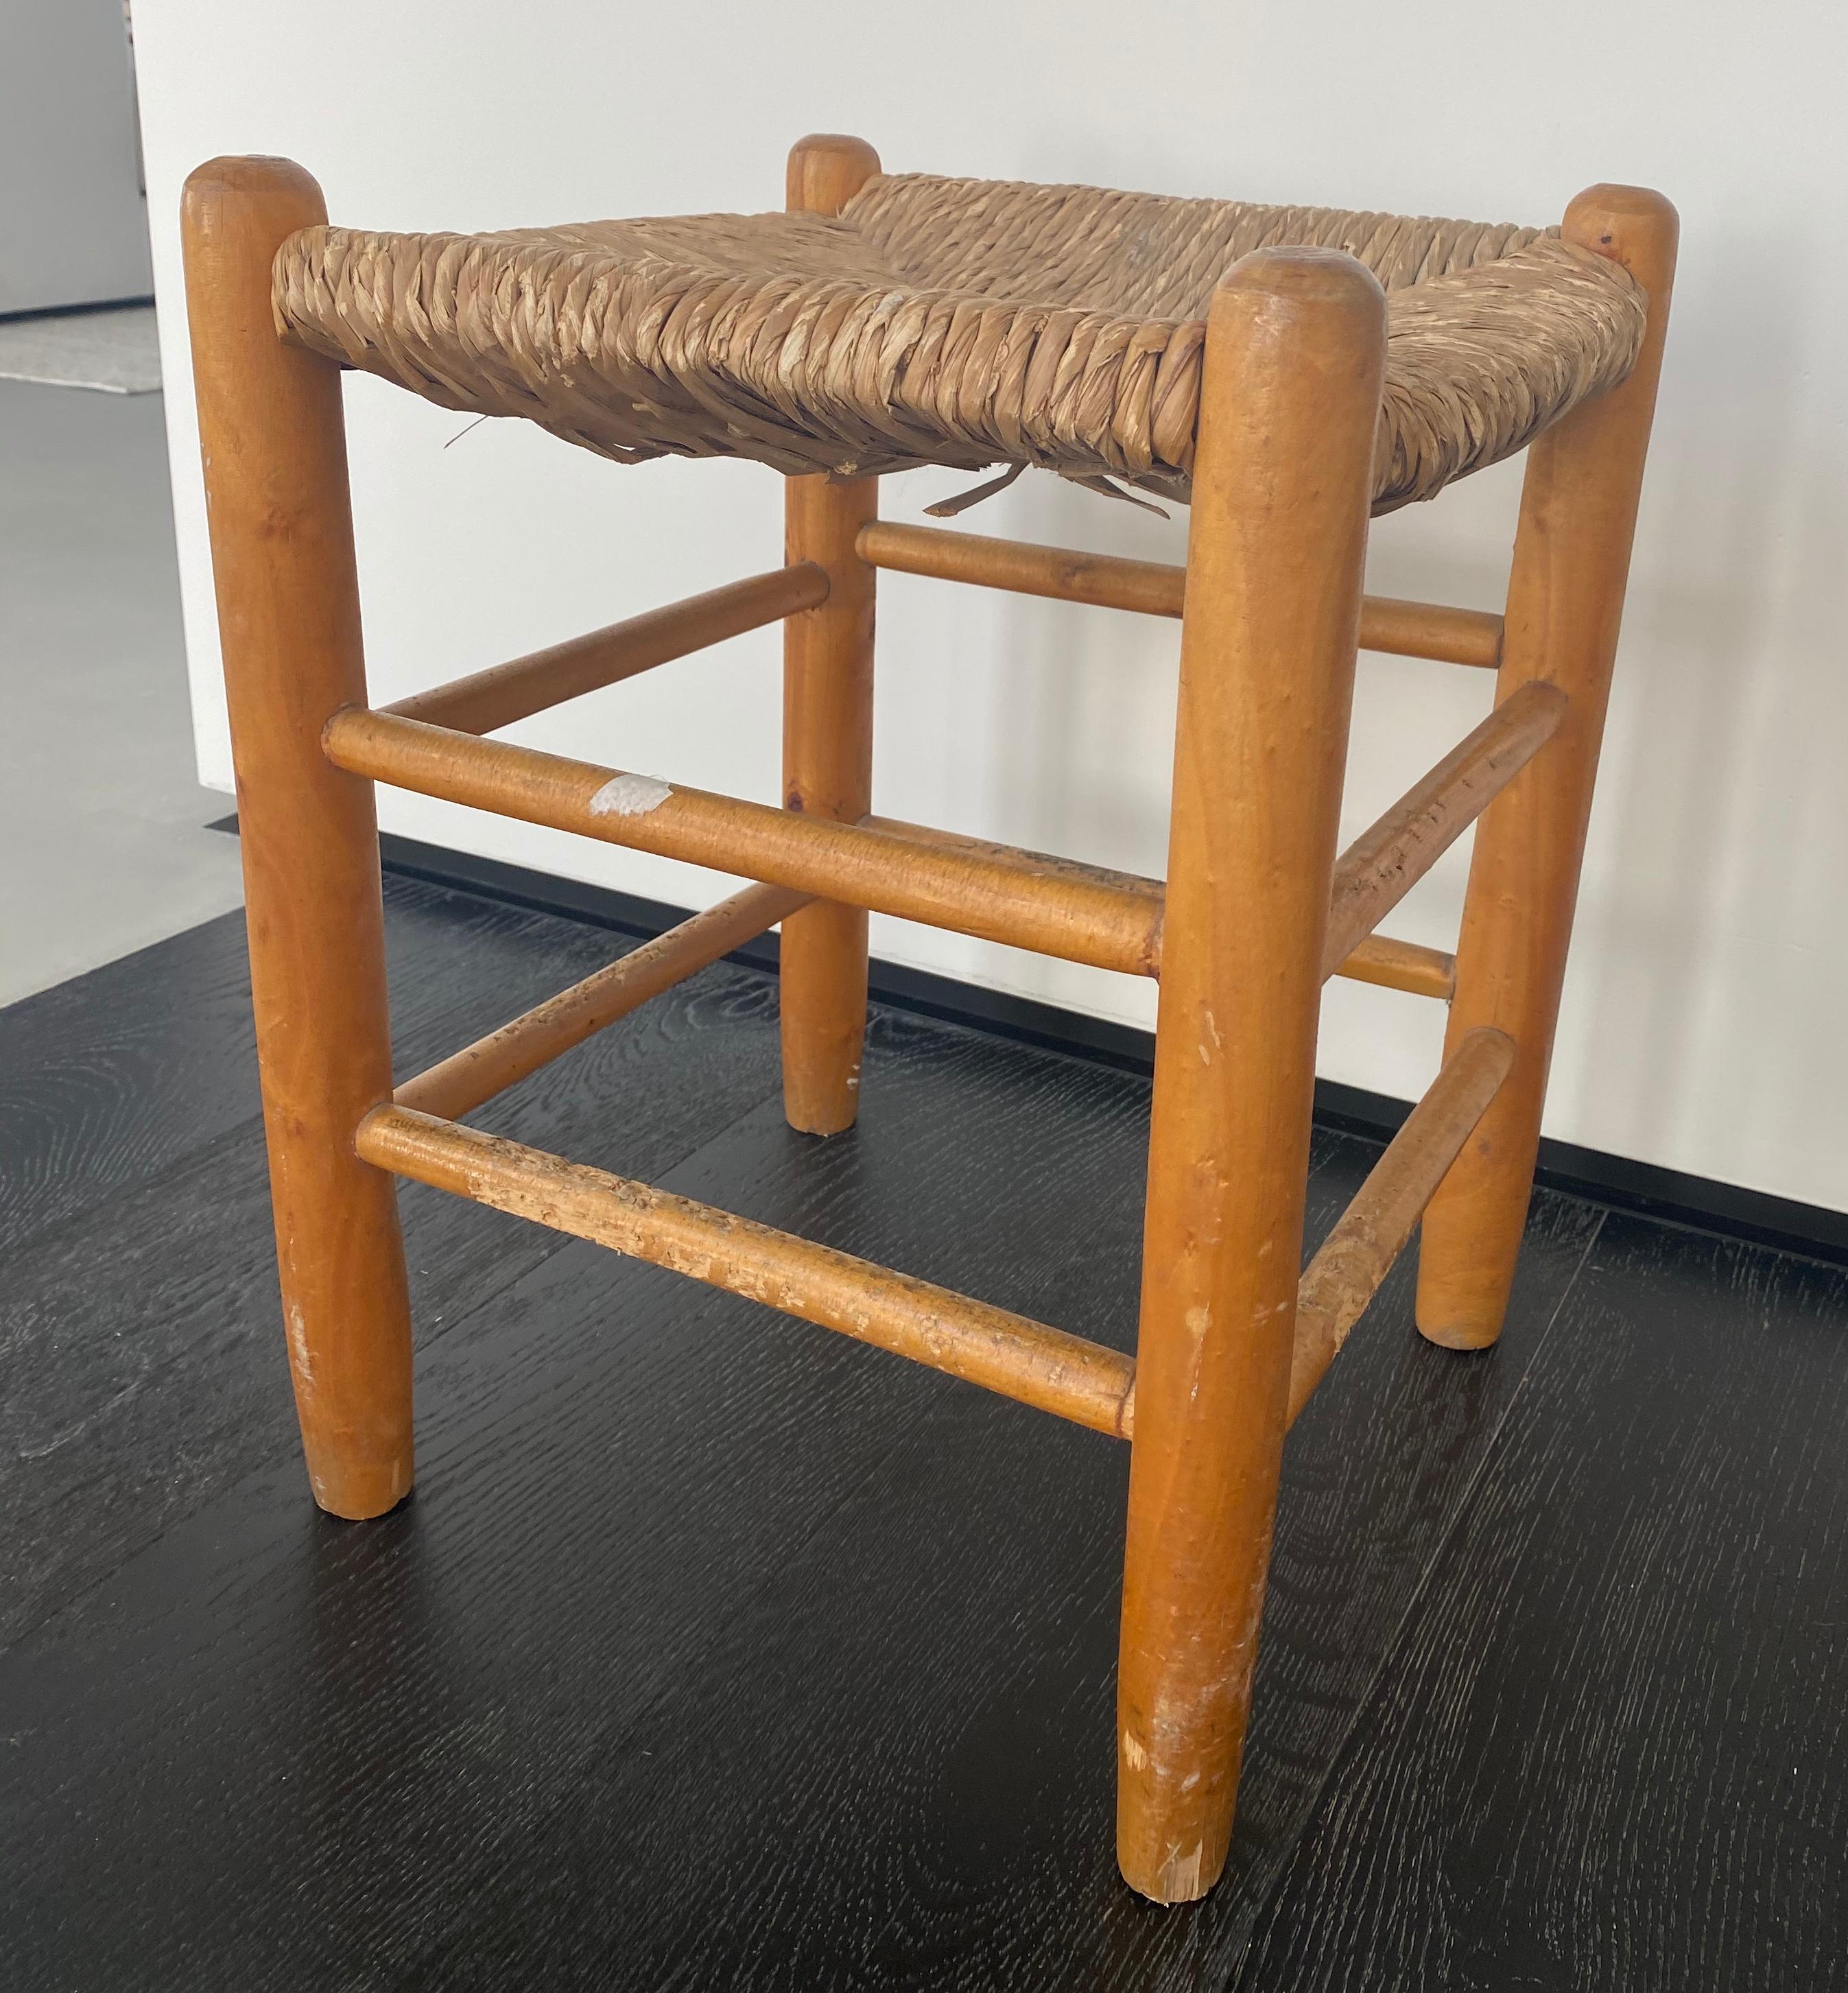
(630, 795)
(1133, 1752)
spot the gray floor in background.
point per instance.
(115, 349)
(101, 819)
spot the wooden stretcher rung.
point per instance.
(461, 1082)
(1409, 966)
(1054, 906)
(1156, 588)
(965, 890)
(1007, 1353)
(1042, 865)
(1388, 859)
(485, 701)
(1344, 1277)
(1010, 1354)
(1392, 965)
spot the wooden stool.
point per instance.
(1289, 371)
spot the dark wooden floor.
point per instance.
(716, 1651)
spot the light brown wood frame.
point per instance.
(1257, 912)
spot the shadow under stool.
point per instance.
(1287, 372)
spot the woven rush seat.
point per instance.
(958, 323)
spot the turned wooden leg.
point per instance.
(827, 772)
(1565, 602)
(1290, 406)
(274, 452)
(826, 727)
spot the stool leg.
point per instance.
(826, 728)
(1289, 407)
(1565, 602)
(274, 453)
(827, 771)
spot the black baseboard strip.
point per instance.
(1668, 1196)
(86, 310)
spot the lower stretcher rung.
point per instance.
(1020, 1359)
(463, 1082)
(1007, 1353)
(1344, 1277)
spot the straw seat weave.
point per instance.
(951, 322)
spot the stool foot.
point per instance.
(823, 1000)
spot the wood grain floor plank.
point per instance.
(142, 1366)
(1612, 1749)
(108, 1079)
(118, 1075)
